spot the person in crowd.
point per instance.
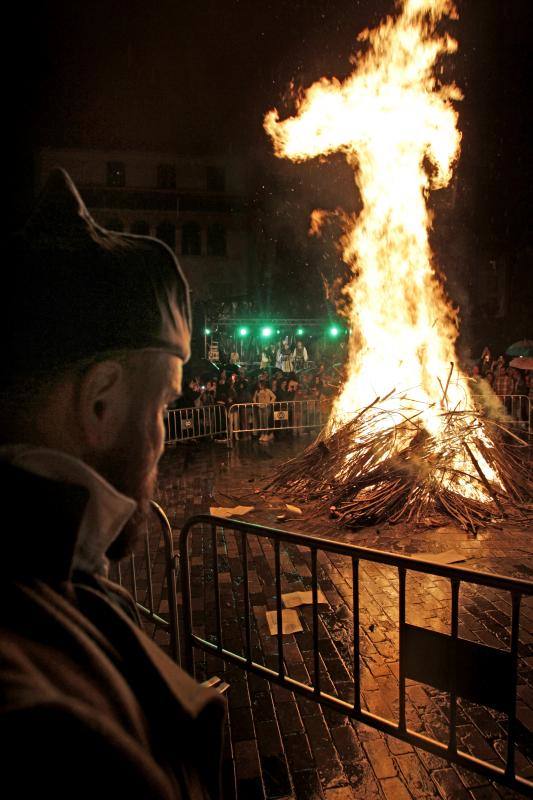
(211, 390)
(264, 396)
(504, 387)
(207, 396)
(497, 363)
(243, 417)
(520, 390)
(293, 408)
(95, 329)
(299, 356)
(284, 357)
(265, 358)
(222, 394)
(485, 362)
(281, 390)
(305, 384)
(503, 383)
(191, 394)
(317, 382)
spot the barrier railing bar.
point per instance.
(401, 617)
(216, 586)
(246, 590)
(449, 751)
(452, 742)
(279, 614)
(148, 562)
(492, 580)
(356, 642)
(196, 423)
(133, 576)
(152, 616)
(188, 654)
(171, 575)
(316, 646)
(385, 726)
(511, 721)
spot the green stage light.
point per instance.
(266, 332)
(300, 332)
(207, 331)
(333, 331)
(243, 331)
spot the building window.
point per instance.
(114, 224)
(166, 231)
(166, 176)
(190, 239)
(116, 173)
(216, 240)
(140, 227)
(215, 179)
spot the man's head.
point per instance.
(96, 328)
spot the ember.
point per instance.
(425, 446)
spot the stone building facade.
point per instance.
(198, 206)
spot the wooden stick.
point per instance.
(488, 487)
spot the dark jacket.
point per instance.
(89, 705)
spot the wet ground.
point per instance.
(281, 745)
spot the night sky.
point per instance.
(196, 77)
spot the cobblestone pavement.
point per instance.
(280, 745)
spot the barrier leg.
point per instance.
(229, 427)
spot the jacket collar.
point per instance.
(69, 515)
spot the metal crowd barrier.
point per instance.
(464, 669)
(195, 423)
(280, 415)
(144, 561)
(518, 408)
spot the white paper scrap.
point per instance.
(290, 621)
(303, 598)
(294, 509)
(230, 512)
(449, 557)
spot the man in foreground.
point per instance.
(95, 330)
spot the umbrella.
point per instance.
(522, 362)
(522, 348)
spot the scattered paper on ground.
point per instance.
(293, 599)
(294, 509)
(230, 512)
(290, 621)
(449, 557)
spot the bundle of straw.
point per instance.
(375, 468)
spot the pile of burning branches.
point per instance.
(375, 468)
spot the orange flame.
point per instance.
(391, 118)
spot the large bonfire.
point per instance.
(404, 438)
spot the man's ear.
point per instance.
(103, 401)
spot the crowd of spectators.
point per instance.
(286, 374)
(238, 385)
(513, 386)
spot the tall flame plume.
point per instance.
(397, 126)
